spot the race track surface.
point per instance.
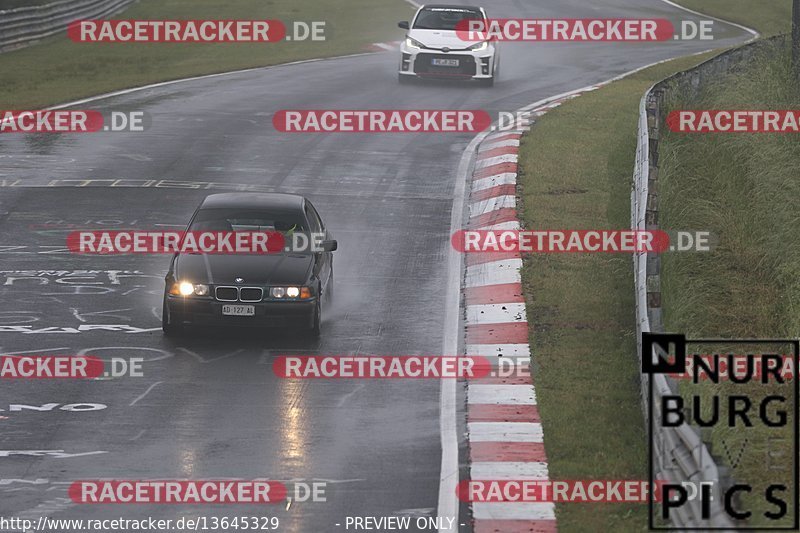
(209, 405)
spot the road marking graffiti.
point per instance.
(57, 454)
(83, 328)
(73, 407)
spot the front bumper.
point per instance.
(193, 311)
(474, 65)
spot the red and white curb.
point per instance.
(505, 433)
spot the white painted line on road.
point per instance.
(751, 31)
(195, 78)
(224, 356)
(523, 394)
(145, 393)
(347, 396)
(212, 359)
(505, 431)
(496, 313)
(35, 351)
(508, 470)
(448, 504)
(192, 353)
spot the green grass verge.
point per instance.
(741, 188)
(59, 70)
(767, 16)
(576, 166)
(575, 172)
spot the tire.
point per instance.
(330, 287)
(316, 321)
(404, 80)
(169, 329)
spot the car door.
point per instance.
(322, 260)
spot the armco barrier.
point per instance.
(26, 25)
(679, 453)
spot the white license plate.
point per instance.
(444, 62)
(239, 310)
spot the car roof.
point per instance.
(450, 6)
(249, 200)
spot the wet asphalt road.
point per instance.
(208, 405)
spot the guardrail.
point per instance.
(26, 25)
(679, 453)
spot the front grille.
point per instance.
(466, 65)
(226, 294)
(251, 294)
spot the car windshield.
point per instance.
(217, 219)
(444, 18)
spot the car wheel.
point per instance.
(330, 287)
(488, 82)
(316, 324)
(169, 329)
(404, 80)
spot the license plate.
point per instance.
(239, 310)
(444, 62)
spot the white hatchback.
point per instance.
(434, 49)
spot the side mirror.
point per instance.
(403, 24)
(330, 246)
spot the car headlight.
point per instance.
(479, 46)
(201, 290)
(294, 293)
(278, 292)
(413, 43)
(185, 288)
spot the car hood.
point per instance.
(440, 38)
(262, 269)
